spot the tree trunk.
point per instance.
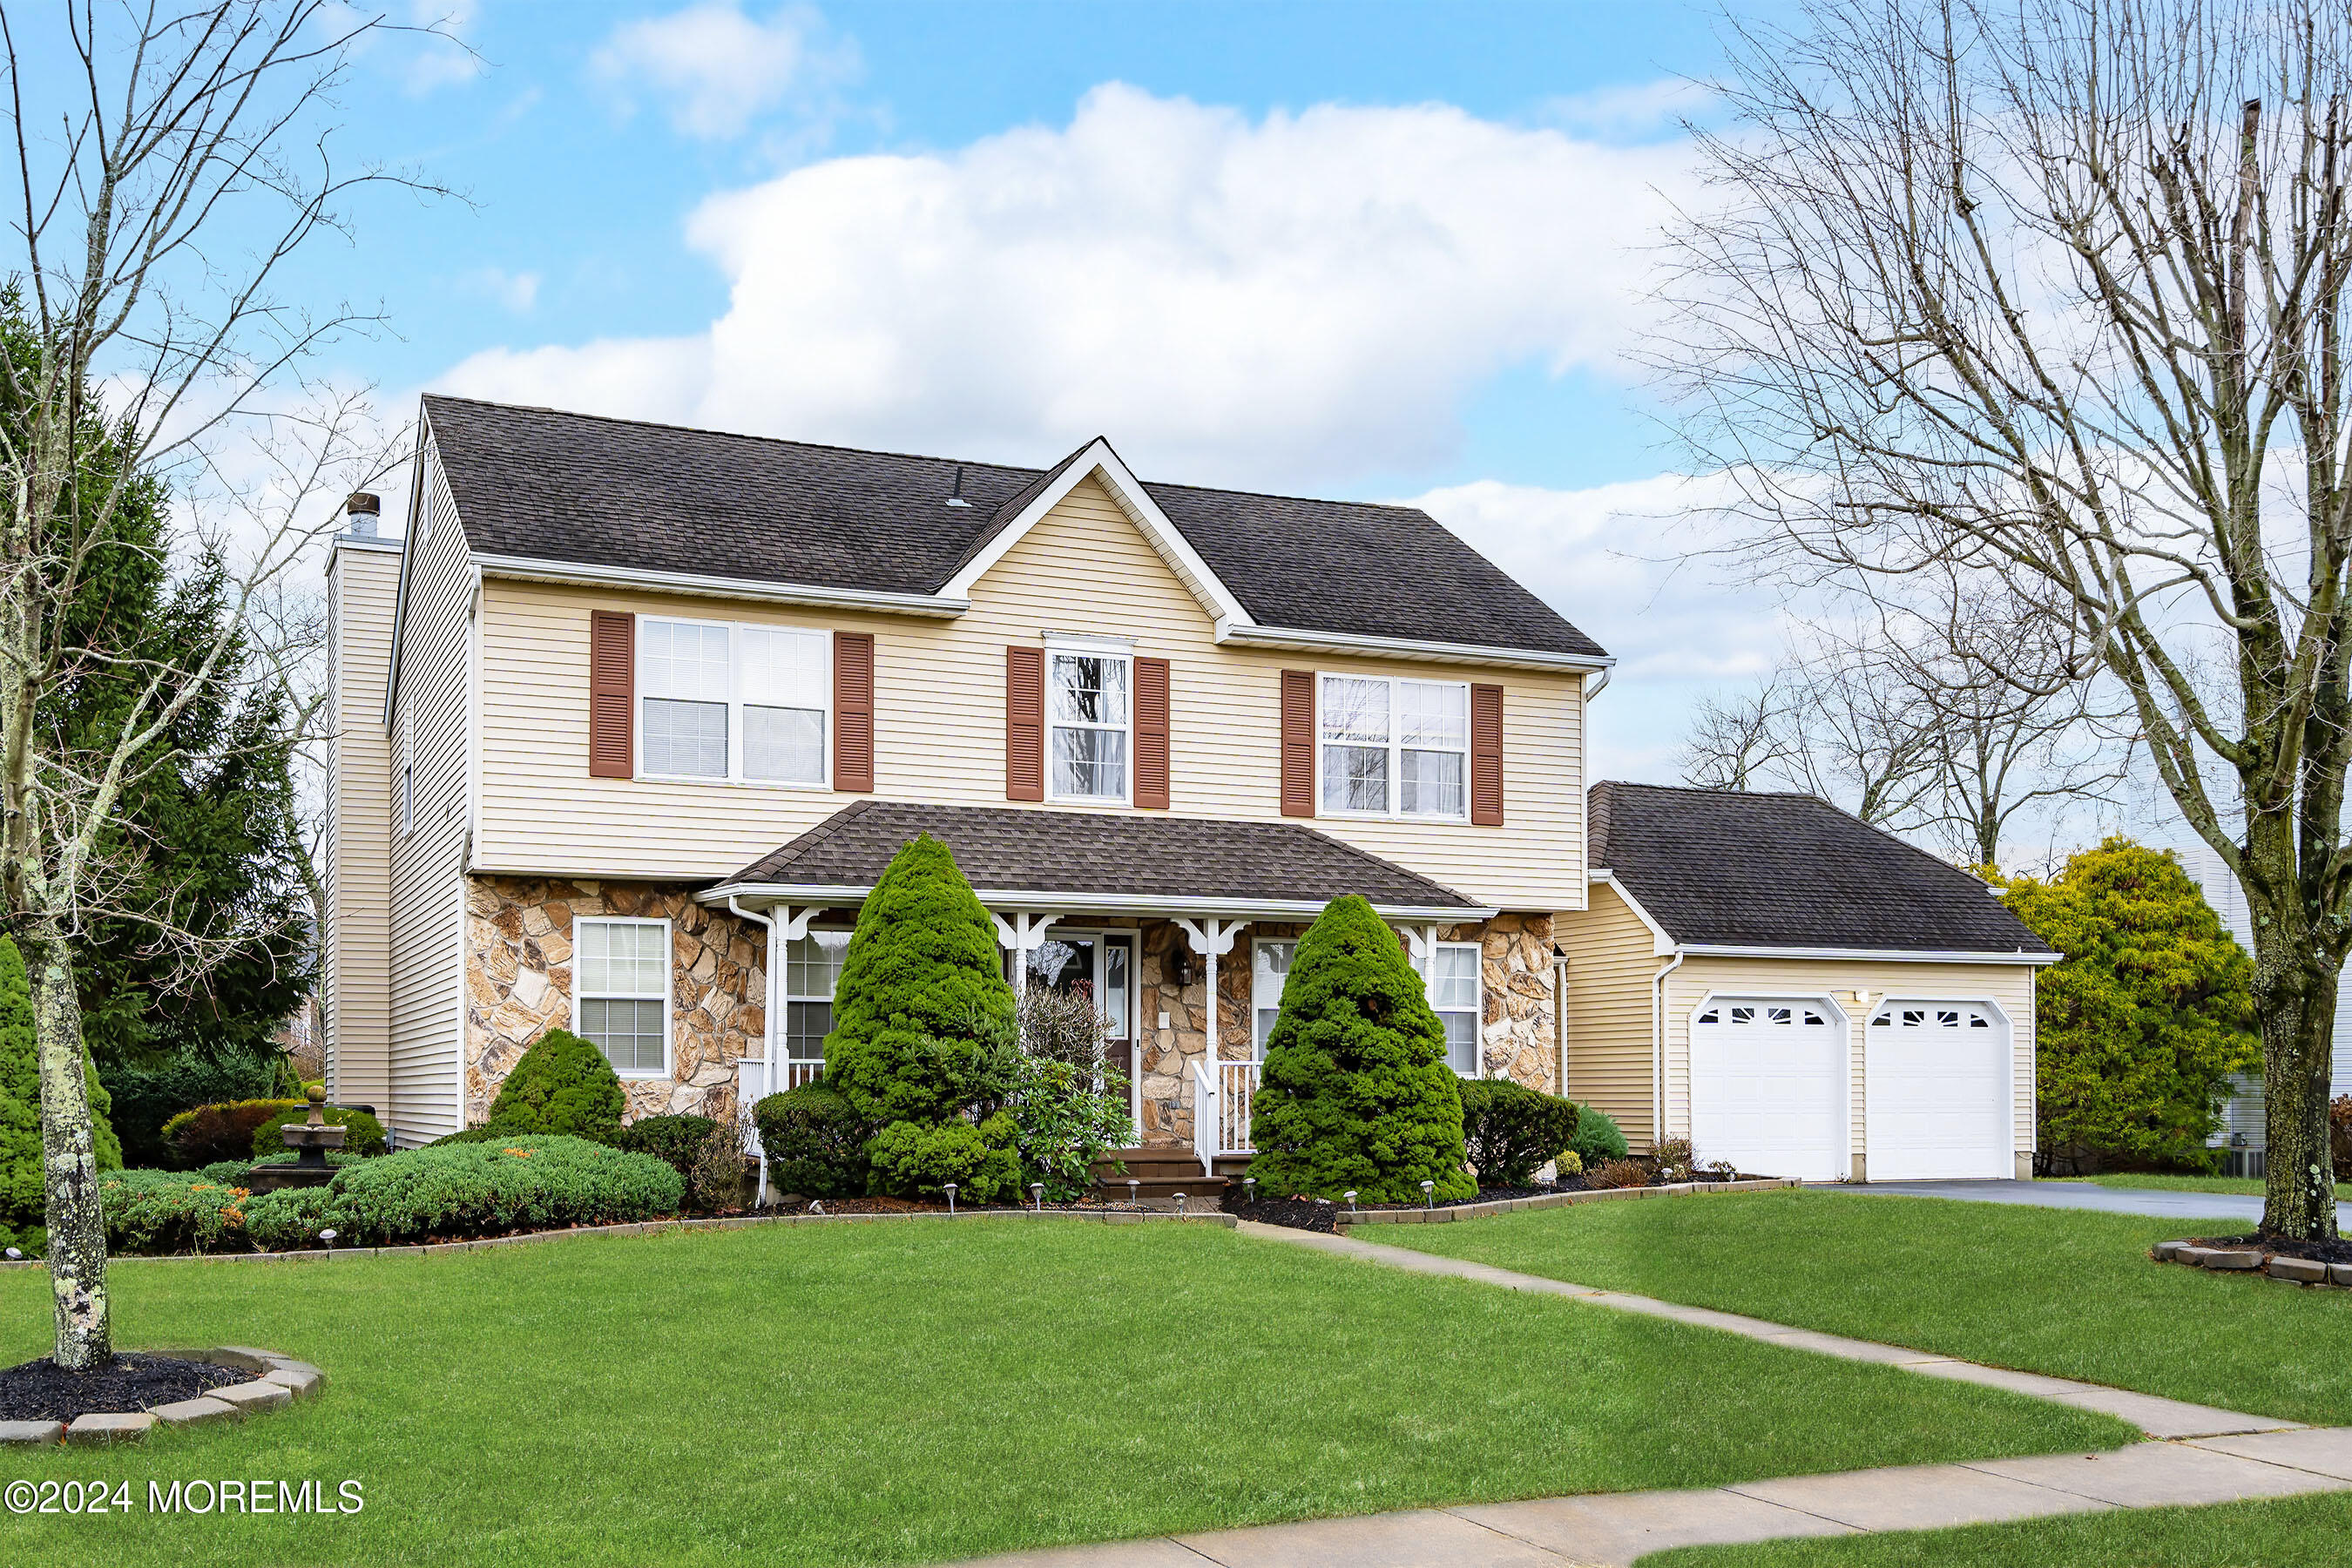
(85, 1317)
(2294, 1000)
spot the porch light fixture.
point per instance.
(1429, 1193)
(950, 1190)
(1180, 966)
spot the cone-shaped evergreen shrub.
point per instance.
(22, 1201)
(564, 1086)
(921, 1013)
(1356, 1092)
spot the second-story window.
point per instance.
(742, 703)
(1395, 748)
(1089, 710)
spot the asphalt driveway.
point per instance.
(2162, 1203)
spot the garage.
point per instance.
(1936, 1085)
(1768, 1085)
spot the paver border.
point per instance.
(2254, 1261)
(650, 1227)
(279, 1381)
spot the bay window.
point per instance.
(734, 702)
(1089, 713)
(621, 970)
(1395, 748)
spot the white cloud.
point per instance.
(1631, 564)
(518, 292)
(1300, 300)
(717, 69)
(1632, 111)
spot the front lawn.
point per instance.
(2244, 1186)
(2065, 1291)
(920, 1391)
(2307, 1532)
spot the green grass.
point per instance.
(2307, 1532)
(2245, 1187)
(916, 1391)
(2063, 1291)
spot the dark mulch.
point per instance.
(927, 1205)
(39, 1391)
(1298, 1214)
(2321, 1251)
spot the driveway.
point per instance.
(2164, 1204)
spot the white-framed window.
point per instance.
(1090, 720)
(406, 805)
(812, 970)
(1456, 993)
(1269, 968)
(726, 702)
(1394, 748)
(621, 992)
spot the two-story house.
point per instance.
(631, 718)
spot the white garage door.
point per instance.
(1938, 1093)
(1768, 1085)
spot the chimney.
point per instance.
(359, 511)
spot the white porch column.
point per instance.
(1212, 939)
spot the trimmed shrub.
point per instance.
(1597, 1138)
(290, 1219)
(1509, 1129)
(672, 1140)
(363, 1134)
(1618, 1173)
(815, 1144)
(1356, 1092)
(24, 1202)
(147, 1097)
(922, 1018)
(523, 1183)
(211, 1133)
(232, 1173)
(562, 1086)
(172, 1211)
(473, 1135)
(1568, 1162)
(911, 1157)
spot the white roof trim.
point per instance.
(1661, 944)
(1251, 635)
(1141, 904)
(1868, 954)
(1097, 459)
(529, 569)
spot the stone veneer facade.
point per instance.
(519, 985)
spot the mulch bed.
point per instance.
(1322, 1214)
(2318, 1251)
(909, 1205)
(39, 1391)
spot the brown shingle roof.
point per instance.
(1008, 848)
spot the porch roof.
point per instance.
(1094, 861)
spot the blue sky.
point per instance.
(1371, 249)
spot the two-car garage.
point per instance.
(1774, 1081)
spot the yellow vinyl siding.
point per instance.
(1611, 964)
(2008, 986)
(939, 725)
(427, 861)
(354, 858)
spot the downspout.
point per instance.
(1559, 1018)
(768, 1025)
(1658, 1049)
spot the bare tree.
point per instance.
(181, 160)
(2056, 290)
(1732, 741)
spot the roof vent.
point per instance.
(956, 498)
(359, 513)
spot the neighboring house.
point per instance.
(632, 716)
(2245, 1134)
(1797, 991)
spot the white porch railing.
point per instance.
(752, 1086)
(1238, 1086)
(1204, 1119)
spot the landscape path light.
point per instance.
(1134, 1190)
(951, 1191)
(1350, 1195)
(1428, 1193)
(1179, 1202)
(1037, 1194)
(1249, 1189)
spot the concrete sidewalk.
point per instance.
(2201, 1454)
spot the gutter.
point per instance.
(1305, 641)
(580, 574)
(1149, 905)
(1868, 954)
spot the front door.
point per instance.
(1102, 963)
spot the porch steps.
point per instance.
(1164, 1171)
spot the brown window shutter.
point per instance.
(1486, 756)
(1297, 743)
(1152, 734)
(1024, 723)
(612, 693)
(852, 711)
